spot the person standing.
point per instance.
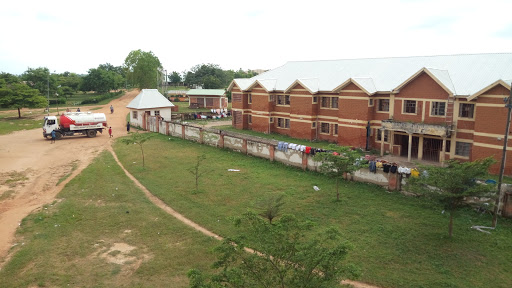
(53, 137)
(111, 109)
(128, 126)
(110, 131)
(78, 110)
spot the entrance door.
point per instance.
(432, 149)
(403, 141)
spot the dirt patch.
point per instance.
(31, 168)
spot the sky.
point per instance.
(76, 36)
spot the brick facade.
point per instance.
(474, 127)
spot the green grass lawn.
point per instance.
(399, 241)
(72, 242)
(9, 121)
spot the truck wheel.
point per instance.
(91, 133)
(58, 135)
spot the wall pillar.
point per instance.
(409, 148)
(201, 133)
(443, 151)
(167, 128)
(420, 148)
(304, 161)
(382, 132)
(244, 146)
(391, 141)
(183, 131)
(272, 150)
(221, 140)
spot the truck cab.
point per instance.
(50, 124)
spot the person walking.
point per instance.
(78, 110)
(53, 137)
(110, 131)
(111, 109)
(128, 126)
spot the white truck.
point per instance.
(74, 123)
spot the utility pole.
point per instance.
(508, 105)
(48, 92)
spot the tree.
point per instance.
(339, 161)
(41, 79)
(271, 207)
(98, 80)
(19, 95)
(285, 256)
(450, 185)
(142, 69)
(197, 171)
(175, 78)
(139, 139)
(209, 76)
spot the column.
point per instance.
(382, 142)
(443, 151)
(409, 148)
(420, 148)
(391, 141)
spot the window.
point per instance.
(134, 114)
(283, 123)
(315, 99)
(271, 98)
(313, 124)
(157, 113)
(324, 128)
(370, 102)
(466, 110)
(249, 98)
(379, 135)
(438, 109)
(383, 105)
(283, 99)
(271, 119)
(249, 119)
(335, 129)
(462, 149)
(325, 102)
(410, 106)
(334, 102)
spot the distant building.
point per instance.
(207, 98)
(149, 104)
(429, 108)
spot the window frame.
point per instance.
(156, 113)
(380, 106)
(315, 99)
(379, 136)
(335, 129)
(322, 131)
(437, 109)
(249, 98)
(461, 110)
(371, 103)
(466, 149)
(135, 115)
(406, 106)
(249, 119)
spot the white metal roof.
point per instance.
(149, 98)
(461, 75)
(206, 92)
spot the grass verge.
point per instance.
(103, 232)
(399, 241)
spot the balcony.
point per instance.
(418, 128)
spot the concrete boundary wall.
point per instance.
(267, 149)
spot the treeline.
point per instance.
(141, 69)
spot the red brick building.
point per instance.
(207, 98)
(430, 108)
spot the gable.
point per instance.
(423, 86)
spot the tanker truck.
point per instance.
(74, 123)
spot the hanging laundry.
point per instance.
(386, 167)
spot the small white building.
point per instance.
(149, 102)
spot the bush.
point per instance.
(99, 98)
(176, 99)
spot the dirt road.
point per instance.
(32, 167)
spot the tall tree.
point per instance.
(450, 185)
(209, 76)
(143, 69)
(337, 162)
(41, 79)
(19, 95)
(286, 257)
(175, 78)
